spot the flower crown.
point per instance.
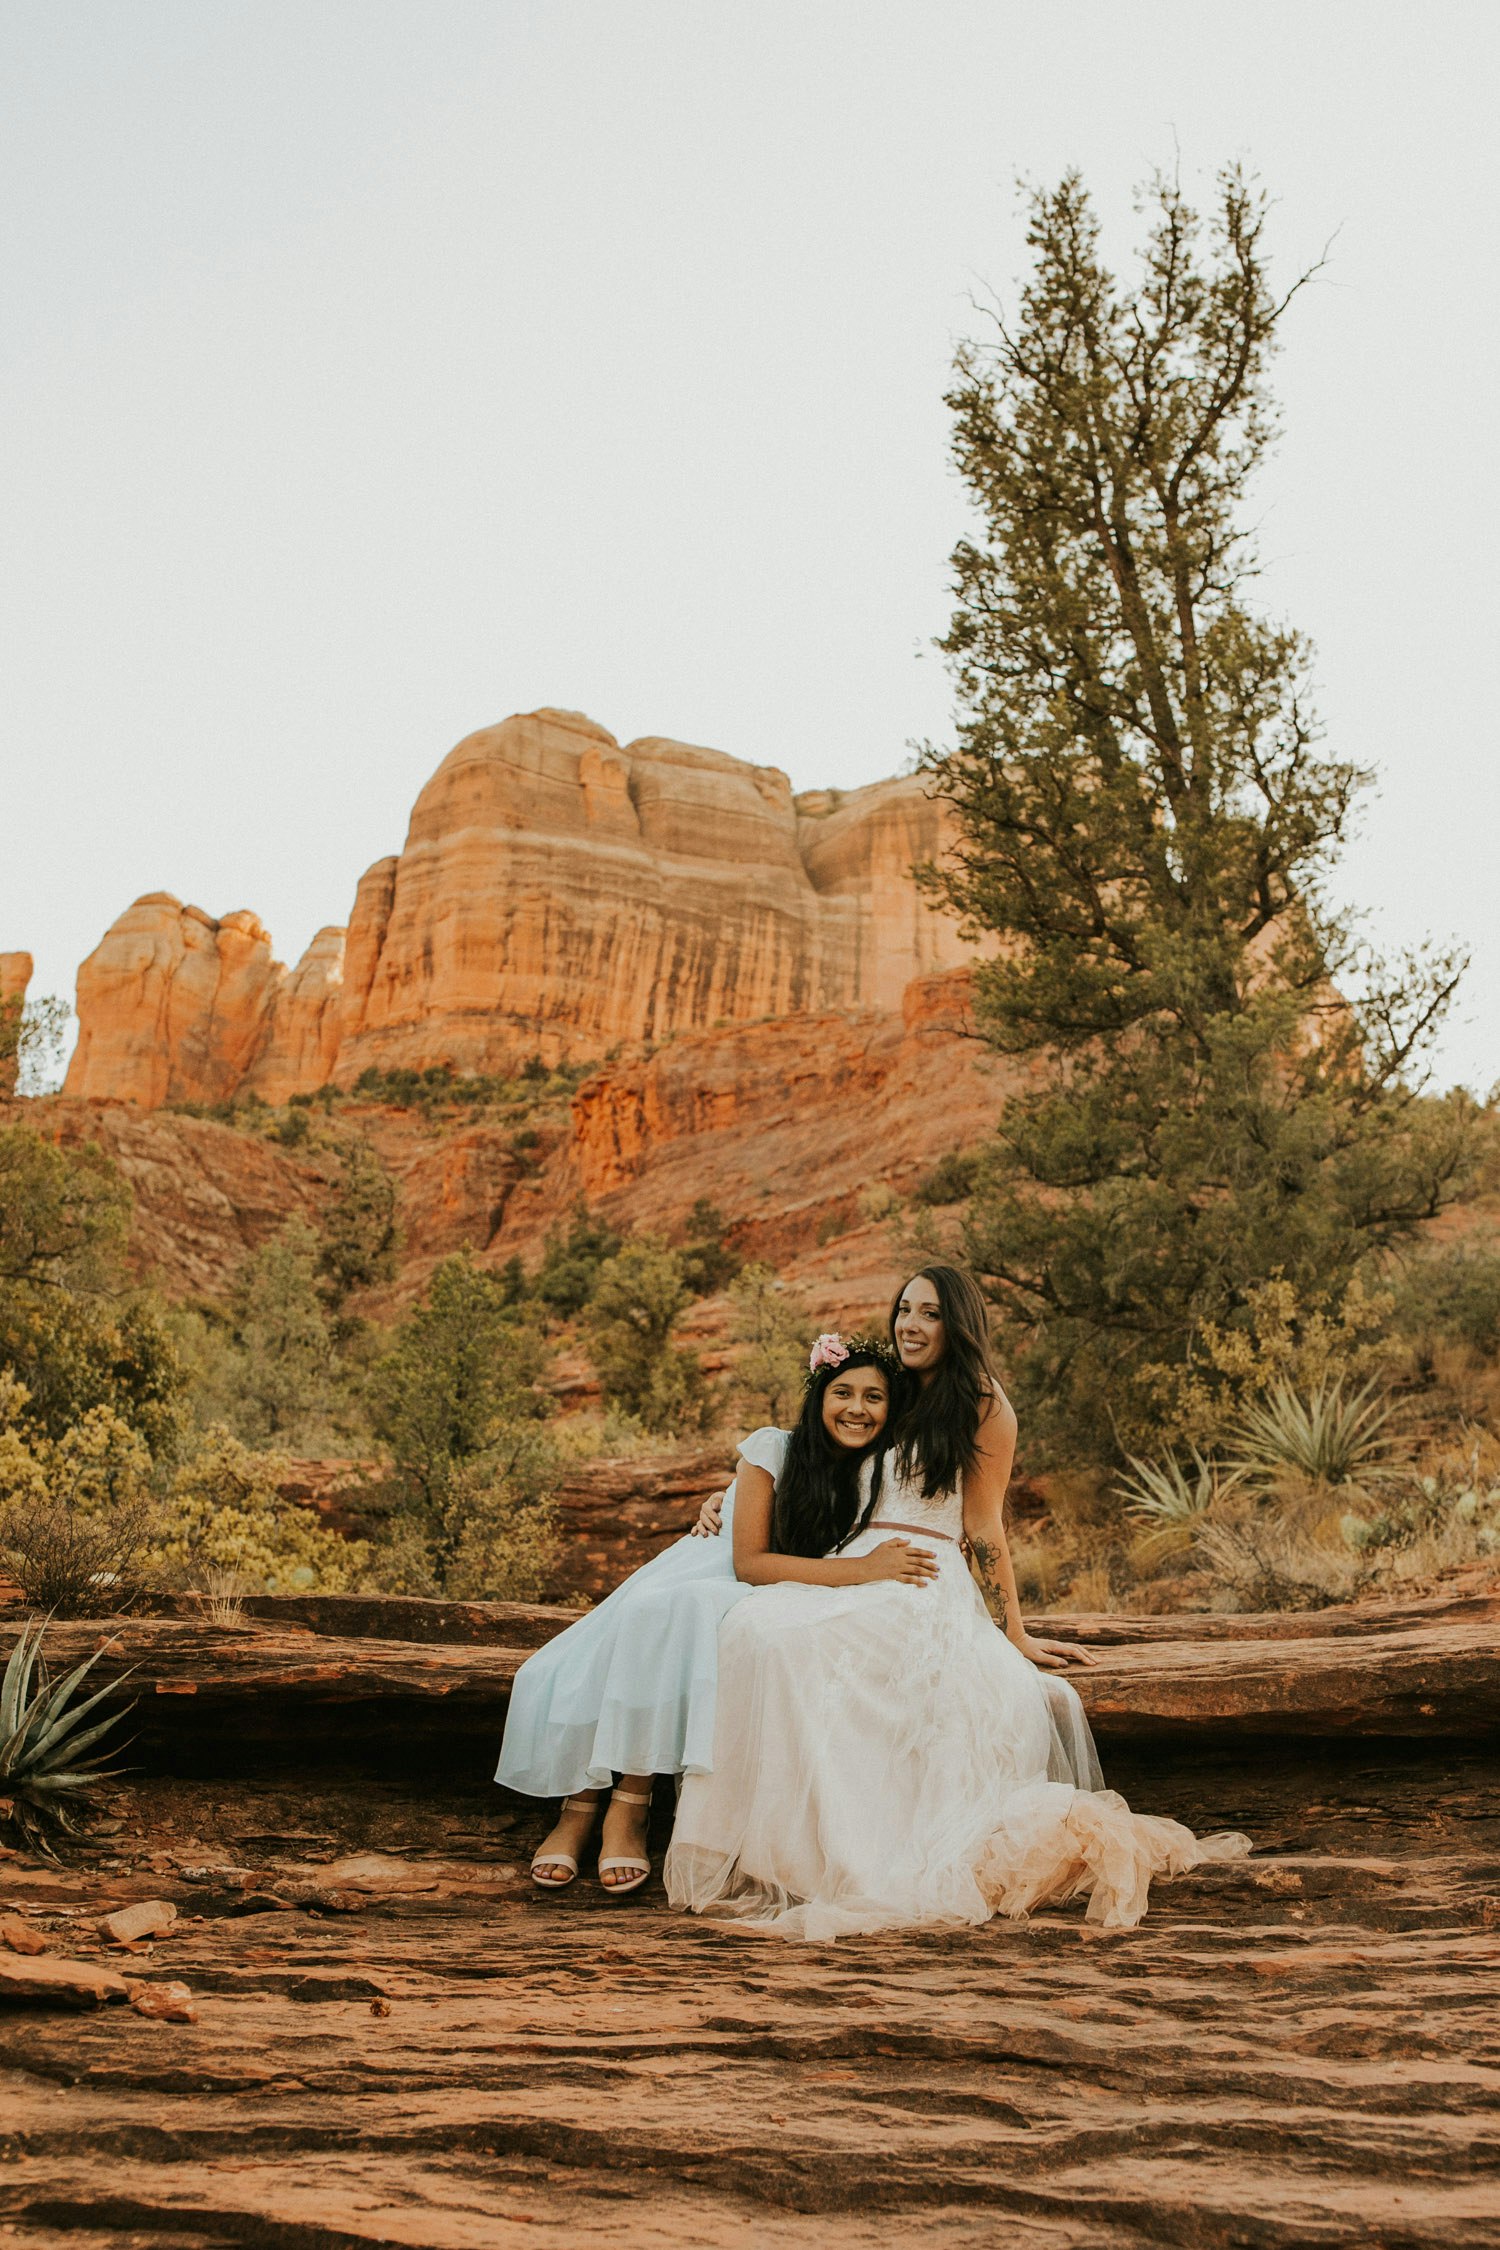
(831, 1350)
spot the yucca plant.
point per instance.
(1164, 1496)
(45, 1772)
(1332, 1436)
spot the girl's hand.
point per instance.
(710, 1519)
(898, 1559)
(1053, 1656)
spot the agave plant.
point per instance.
(1163, 1495)
(1332, 1435)
(44, 1770)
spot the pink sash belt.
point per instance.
(922, 1530)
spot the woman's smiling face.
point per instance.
(855, 1407)
(921, 1338)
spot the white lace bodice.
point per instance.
(902, 1502)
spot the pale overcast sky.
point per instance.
(374, 368)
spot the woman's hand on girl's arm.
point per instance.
(757, 1564)
(894, 1558)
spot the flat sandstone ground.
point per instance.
(1301, 2050)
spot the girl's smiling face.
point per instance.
(921, 1337)
(855, 1407)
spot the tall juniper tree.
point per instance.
(1222, 1085)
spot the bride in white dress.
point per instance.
(883, 1755)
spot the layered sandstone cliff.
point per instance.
(557, 895)
(15, 976)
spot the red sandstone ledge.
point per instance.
(1399, 1670)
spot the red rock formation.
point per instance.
(784, 1124)
(172, 1005)
(557, 895)
(15, 976)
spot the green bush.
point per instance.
(72, 1329)
(709, 1262)
(772, 1324)
(572, 1261)
(637, 1300)
(1453, 1296)
(951, 1179)
(455, 1400)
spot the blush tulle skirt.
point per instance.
(883, 1757)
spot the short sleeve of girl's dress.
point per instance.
(766, 1449)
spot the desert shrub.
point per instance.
(493, 1537)
(223, 1516)
(75, 1353)
(1455, 1516)
(709, 1262)
(1260, 1562)
(608, 1432)
(456, 1402)
(440, 1086)
(267, 1366)
(878, 1201)
(1171, 1502)
(72, 1330)
(1039, 1572)
(772, 1326)
(359, 1236)
(951, 1179)
(1452, 1295)
(632, 1319)
(572, 1260)
(461, 1371)
(32, 1036)
(1277, 1341)
(47, 1772)
(75, 1511)
(1331, 1435)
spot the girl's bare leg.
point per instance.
(574, 1827)
(625, 1827)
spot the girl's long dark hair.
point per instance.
(818, 1501)
(938, 1438)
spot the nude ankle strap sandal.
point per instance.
(561, 1859)
(640, 1868)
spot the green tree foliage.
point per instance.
(638, 1299)
(773, 1326)
(71, 1329)
(359, 1227)
(571, 1262)
(1452, 1296)
(1225, 1085)
(709, 1262)
(32, 1035)
(283, 1377)
(455, 1400)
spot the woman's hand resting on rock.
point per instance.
(1053, 1656)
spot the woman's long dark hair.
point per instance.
(818, 1501)
(938, 1440)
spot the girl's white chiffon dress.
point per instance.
(883, 1756)
(630, 1687)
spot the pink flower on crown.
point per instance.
(830, 1350)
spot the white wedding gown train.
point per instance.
(884, 1757)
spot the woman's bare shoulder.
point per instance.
(997, 1417)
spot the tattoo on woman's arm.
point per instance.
(988, 1559)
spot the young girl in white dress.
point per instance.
(883, 1755)
(629, 1690)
